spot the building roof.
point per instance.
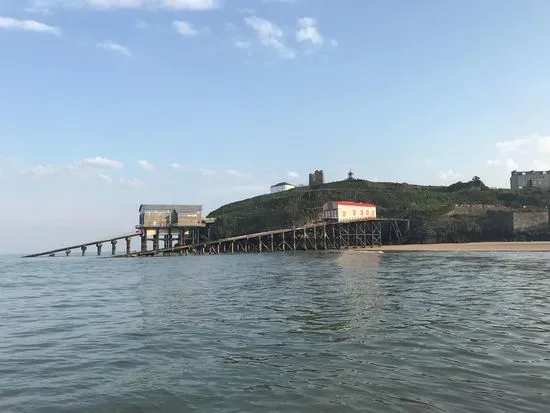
(514, 172)
(351, 203)
(180, 209)
(281, 184)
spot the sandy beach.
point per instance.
(534, 246)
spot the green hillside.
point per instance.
(426, 206)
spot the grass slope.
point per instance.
(424, 205)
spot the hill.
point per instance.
(452, 213)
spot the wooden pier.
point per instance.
(84, 247)
(319, 236)
(180, 229)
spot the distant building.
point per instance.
(530, 179)
(350, 176)
(316, 178)
(165, 215)
(344, 211)
(281, 186)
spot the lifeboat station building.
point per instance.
(346, 211)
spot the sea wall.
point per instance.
(526, 221)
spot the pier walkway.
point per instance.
(83, 247)
(319, 236)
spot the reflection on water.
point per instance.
(304, 332)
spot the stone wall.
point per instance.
(525, 221)
(476, 209)
(501, 219)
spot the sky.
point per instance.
(108, 104)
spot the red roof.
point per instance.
(351, 203)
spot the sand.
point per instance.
(529, 246)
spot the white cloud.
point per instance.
(242, 44)
(37, 10)
(105, 177)
(532, 145)
(509, 164)
(146, 165)
(532, 152)
(185, 28)
(9, 23)
(191, 5)
(177, 166)
(449, 176)
(238, 174)
(207, 172)
(114, 47)
(100, 162)
(130, 183)
(270, 35)
(280, 1)
(293, 174)
(308, 31)
(41, 170)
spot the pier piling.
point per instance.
(84, 246)
(128, 245)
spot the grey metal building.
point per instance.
(530, 179)
(161, 215)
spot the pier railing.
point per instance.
(84, 247)
(317, 236)
(320, 236)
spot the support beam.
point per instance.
(156, 240)
(113, 247)
(143, 243)
(98, 245)
(83, 249)
(128, 245)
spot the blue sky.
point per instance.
(106, 104)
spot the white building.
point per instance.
(344, 211)
(281, 186)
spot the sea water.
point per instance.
(283, 332)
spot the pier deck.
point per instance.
(83, 247)
(319, 236)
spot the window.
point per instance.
(362, 212)
(354, 212)
(343, 213)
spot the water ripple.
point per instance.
(304, 332)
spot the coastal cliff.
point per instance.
(461, 212)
